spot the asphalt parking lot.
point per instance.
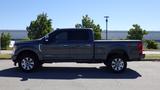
(142, 75)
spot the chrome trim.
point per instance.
(39, 47)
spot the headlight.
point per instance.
(14, 48)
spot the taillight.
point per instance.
(140, 47)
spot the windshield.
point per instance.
(46, 36)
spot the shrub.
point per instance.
(5, 40)
(151, 44)
(136, 33)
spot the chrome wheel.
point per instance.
(27, 63)
(117, 64)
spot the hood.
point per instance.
(28, 42)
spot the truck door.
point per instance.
(57, 47)
(80, 46)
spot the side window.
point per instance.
(61, 37)
(80, 35)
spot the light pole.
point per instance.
(106, 17)
(0, 43)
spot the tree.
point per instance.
(136, 32)
(40, 27)
(5, 40)
(78, 26)
(87, 22)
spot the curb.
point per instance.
(150, 60)
(5, 58)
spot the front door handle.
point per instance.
(88, 45)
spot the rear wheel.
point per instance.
(28, 62)
(116, 63)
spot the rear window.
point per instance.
(78, 35)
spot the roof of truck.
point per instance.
(74, 28)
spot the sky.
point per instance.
(17, 14)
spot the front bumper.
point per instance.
(14, 59)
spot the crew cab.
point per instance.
(76, 45)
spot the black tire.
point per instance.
(28, 62)
(116, 63)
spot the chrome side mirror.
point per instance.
(46, 38)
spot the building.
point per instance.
(16, 34)
(153, 35)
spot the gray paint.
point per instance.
(89, 51)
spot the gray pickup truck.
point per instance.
(76, 45)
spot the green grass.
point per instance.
(5, 56)
(9, 48)
(152, 56)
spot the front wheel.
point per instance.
(28, 62)
(117, 63)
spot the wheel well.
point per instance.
(117, 52)
(27, 52)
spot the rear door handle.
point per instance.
(65, 45)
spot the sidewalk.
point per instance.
(6, 51)
(151, 52)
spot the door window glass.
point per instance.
(61, 37)
(80, 35)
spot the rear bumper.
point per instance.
(140, 58)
